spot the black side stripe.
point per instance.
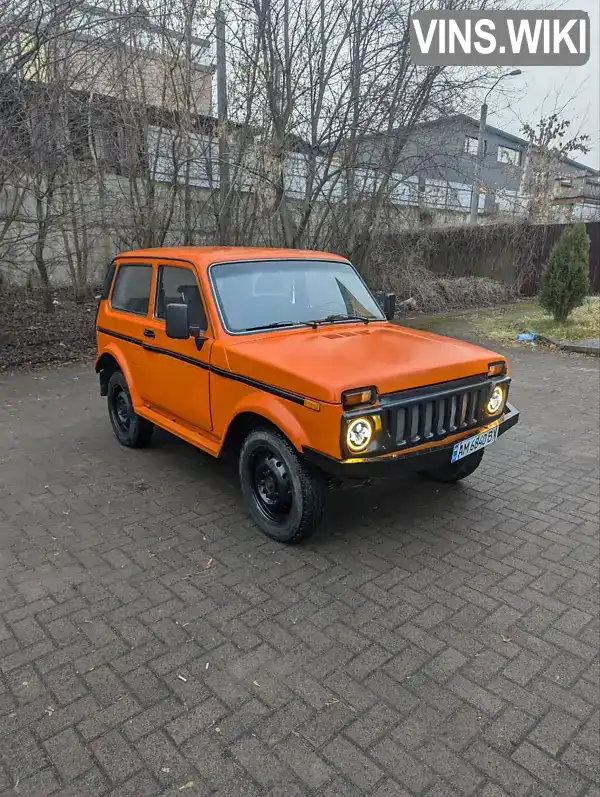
(246, 380)
(176, 356)
(128, 338)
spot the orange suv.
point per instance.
(285, 358)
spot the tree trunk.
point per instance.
(45, 280)
(38, 254)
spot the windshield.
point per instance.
(254, 295)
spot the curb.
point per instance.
(594, 351)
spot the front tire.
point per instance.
(130, 429)
(456, 471)
(283, 495)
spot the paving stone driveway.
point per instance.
(428, 641)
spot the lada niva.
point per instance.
(286, 359)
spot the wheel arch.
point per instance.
(269, 414)
(106, 365)
(112, 359)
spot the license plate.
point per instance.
(473, 444)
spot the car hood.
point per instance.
(321, 363)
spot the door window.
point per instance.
(131, 292)
(178, 285)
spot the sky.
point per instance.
(574, 92)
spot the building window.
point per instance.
(470, 145)
(177, 158)
(296, 173)
(34, 58)
(509, 155)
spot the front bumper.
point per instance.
(402, 462)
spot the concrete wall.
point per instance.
(91, 221)
(108, 221)
(103, 224)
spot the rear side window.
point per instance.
(131, 292)
(176, 285)
(110, 273)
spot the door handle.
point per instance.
(149, 333)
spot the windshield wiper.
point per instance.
(330, 319)
(280, 324)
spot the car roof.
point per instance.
(204, 256)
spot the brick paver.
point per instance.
(429, 641)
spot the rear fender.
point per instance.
(113, 349)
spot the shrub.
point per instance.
(434, 293)
(565, 279)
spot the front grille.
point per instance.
(434, 417)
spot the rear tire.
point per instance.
(130, 429)
(284, 496)
(455, 471)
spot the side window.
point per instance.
(131, 291)
(177, 284)
(106, 285)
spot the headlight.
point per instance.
(359, 434)
(496, 401)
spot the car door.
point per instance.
(125, 314)
(176, 372)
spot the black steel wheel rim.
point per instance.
(271, 485)
(122, 410)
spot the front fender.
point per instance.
(113, 349)
(278, 412)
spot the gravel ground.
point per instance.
(31, 337)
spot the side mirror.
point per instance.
(177, 323)
(389, 306)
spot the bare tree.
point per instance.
(42, 177)
(316, 150)
(27, 29)
(550, 143)
(105, 98)
(334, 98)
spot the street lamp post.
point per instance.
(481, 145)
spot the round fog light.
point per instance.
(359, 434)
(496, 401)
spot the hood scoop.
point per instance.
(349, 334)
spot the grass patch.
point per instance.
(505, 323)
